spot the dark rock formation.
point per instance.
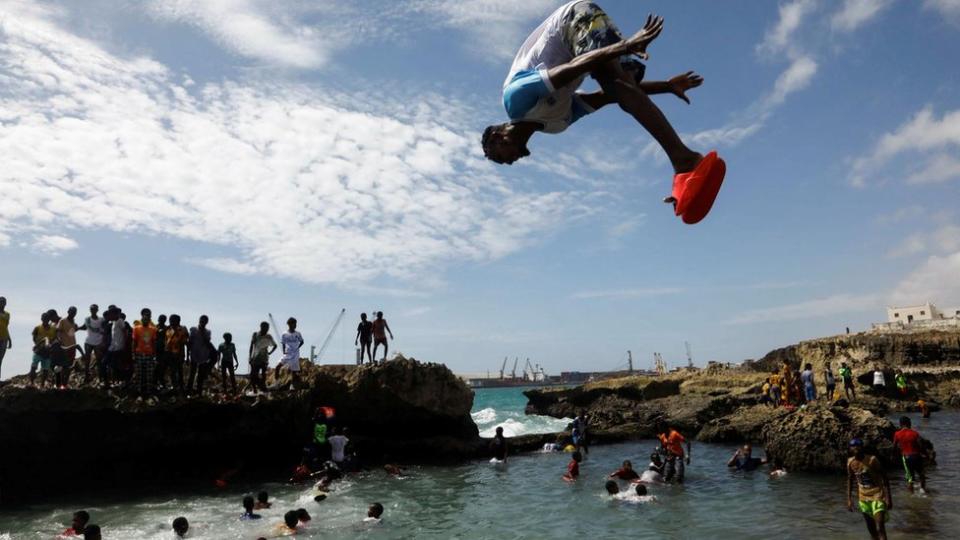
(83, 439)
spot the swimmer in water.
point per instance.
(625, 472)
(612, 487)
(303, 516)
(374, 513)
(289, 525)
(248, 506)
(394, 470)
(180, 527)
(743, 459)
(573, 468)
(263, 501)
(777, 470)
(79, 523)
(654, 472)
(92, 532)
(499, 446)
(637, 494)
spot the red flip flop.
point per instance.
(695, 191)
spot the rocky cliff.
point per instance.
(84, 440)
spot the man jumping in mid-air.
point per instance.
(577, 40)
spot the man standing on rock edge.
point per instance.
(873, 489)
(144, 354)
(5, 341)
(364, 338)
(380, 331)
(849, 391)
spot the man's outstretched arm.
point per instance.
(563, 75)
(677, 86)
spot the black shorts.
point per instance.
(366, 341)
(848, 383)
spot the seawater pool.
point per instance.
(527, 499)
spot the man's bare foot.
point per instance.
(687, 163)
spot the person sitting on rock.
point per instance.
(873, 489)
(248, 505)
(573, 468)
(847, 375)
(672, 441)
(743, 459)
(625, 472)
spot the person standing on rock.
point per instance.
(95, 343)
(44, 337)
(809, 386)
(879, 381)
(873, 489)
(831, 382)
(775, 388)
(380, 331)
(174, 347)
(198, 352)
(66, 355)
(5, 341)
(901, 381)
(364, 338)
(144, 353)
(849, 391)
(672, 441)
(262, 346)
(159, 352)
(291, 341)
(786, 377)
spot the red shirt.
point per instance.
(144, 338)
(673, 442)
(626, 474)
(908, 440)
(573, 469)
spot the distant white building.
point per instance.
(923, 315)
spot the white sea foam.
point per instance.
(514, 424)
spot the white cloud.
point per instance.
(943, 239)
(936, 280)
(301, 184)
(625, 293)
(922, 134)
(53, 244)
(228, 265)
(796, 77)
(780, 37)
(253, 28)
(855, 13)
(821, 307)
(948, 8)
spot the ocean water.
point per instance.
(528, 499)
(495, 407)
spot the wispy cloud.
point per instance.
(791, 16)
(925, 137)
(53, 244)
(626, 293)
(821, 307)
(936, 280)
(950, 9)
(855, 13)
(943, 239)
(230, 266)
(301, 185)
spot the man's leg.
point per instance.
(384, 350)
(376, 345)
(3, 352)
(880, 519)
(871, 525)
(623, 88)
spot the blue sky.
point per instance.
(241, 157)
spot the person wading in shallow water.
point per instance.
(873, 489)
(380, 331)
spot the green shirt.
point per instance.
(901, 381)
(845, 372)
(320, 433)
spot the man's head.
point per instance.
(808, 367)
(291, 520)
(145, 315)
(363, 316)
(612, 487)
(499, 431)
(80, 520)
(227, 337)
(92, 532)
(3, 303)
(577, 456)
(175, 320)
(53, 316)
(502, 145)
(71, 312)
(641, 490)
(292, 324)
(379, 314)
(655, 458)
(856, 447)
(262, 496)
(303, 515)
(248, 503)
(181, 526)
(204, 320)
(746, 450)
(627, 465)
(905, 422)
(375, 510)
(162, 319)
(264, 327)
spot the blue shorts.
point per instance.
(42, 361)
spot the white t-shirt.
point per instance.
(631, 496)
(651, 477)
(337, 444)
(291, 349)
(878, 378)
(118, 335)
(545, 48)
(94, 331)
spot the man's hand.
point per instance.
(639, 41)
(681, 83)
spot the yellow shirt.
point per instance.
(4, 326)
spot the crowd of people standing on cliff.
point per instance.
(789, 388)
(147, 356)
